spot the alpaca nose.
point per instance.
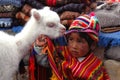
(62, 30)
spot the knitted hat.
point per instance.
(85, 23)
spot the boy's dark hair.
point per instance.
(86, 37)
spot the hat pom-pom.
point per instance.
(92, 14)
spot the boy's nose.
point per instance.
(74, 45)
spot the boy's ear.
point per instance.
(93, 46)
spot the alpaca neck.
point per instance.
(27, 36)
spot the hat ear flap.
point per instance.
(93, 46)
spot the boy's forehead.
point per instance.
(74, 34)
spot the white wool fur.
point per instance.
(14, 48)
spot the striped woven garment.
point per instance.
(55, 58)
(56, 49)
(66, 67)
(91, 68)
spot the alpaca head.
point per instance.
(48, 21)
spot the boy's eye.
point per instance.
(70, 39)
(79, 40)
(82, 40)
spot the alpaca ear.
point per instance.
(47, 8)
(35, 14)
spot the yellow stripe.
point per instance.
(86, 66)
(99, 78)
(95, 70)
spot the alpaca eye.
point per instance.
(50, 24)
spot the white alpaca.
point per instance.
(14, 48)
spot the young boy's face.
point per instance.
(77, 45)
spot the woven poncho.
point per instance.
(66, 67)
(91, 68)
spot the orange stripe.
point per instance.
(94, 69)
(86, 67)
(50, 50)
(100, 77)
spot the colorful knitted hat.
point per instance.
(86, 23)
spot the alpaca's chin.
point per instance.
(55, 36)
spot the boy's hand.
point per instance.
(41, 41)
